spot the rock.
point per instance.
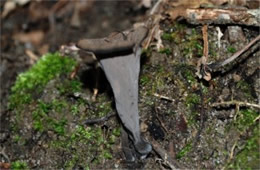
(235, 34)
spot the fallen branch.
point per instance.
(160, 121)
(257, 118)
(173, 164)
(204, 70)
(217, 16)
(237, 103)
(163, 97)
(98, 120)
(217, 65)
(2, 152)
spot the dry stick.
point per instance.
(160, 121)
(163, 97)
(257, 118)
(234, 102)
(249, 17)
(2, 152)
(237, 54)
(173, 164)
(156, 7)
(205, 41)
(217, 65)
(153, 25)
(98, 120)
(231, 155)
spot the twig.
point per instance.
(160, 121)
(156, 7)
(98, 120)
(237, 54)
(234, 102)
(220, 64)
(33, 57)
(231, 155)
(205, 41)
(257, 118)
(163, 97)
(2, 152)
(249, 17)
(173, 164)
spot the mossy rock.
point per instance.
(46, 108)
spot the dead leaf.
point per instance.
(34, 37)
(146, 3)
(43, 49)
(10, 5)
(5, 165)
(38, 11)
(78, 7)
(32, 57)
(207, 76)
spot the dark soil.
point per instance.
(184, 123)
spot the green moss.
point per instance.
(245, 88)
(189, 43)
(43, 120)
(166, 51)
(192, 100)
(188, 73)
(18, 139)
(104, 106)
(146, 53)
(184, 151)
(55, 113)
(248, 157)
(176, 34)
(70, 86)
(85, 142)
(245, 119)
(155, 82)
(145, 79)
(231, 49)
(167, 36)
(247, 151)
(193, 45)
(19, 165)
(190, 76)
(32, 82)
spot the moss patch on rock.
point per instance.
(50, 108)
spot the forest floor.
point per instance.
(43, 110)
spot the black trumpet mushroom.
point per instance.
(119, 56)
